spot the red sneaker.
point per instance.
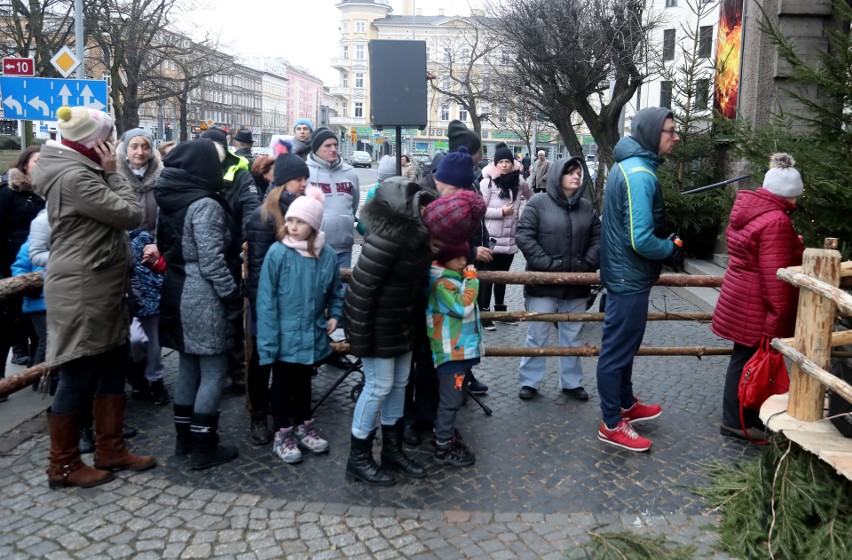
(623, 436)
(640, 412)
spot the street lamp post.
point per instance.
(161, 125)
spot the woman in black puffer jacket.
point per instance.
(290, 175)
(559, 231)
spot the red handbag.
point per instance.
(764, 375)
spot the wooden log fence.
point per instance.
(800, 414)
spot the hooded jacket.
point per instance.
(22, 265)
(633, 233)
(452, 316)
(500, 227)
(395, 257)
(18, 206)
(193, 235)
(339, 184)
(144, 186)
(89, 212)
(559, 234)
(754, 303)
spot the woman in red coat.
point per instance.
(754, 303)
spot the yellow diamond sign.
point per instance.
(65, 61)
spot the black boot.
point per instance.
(183, 417)
(361, 465)
(87, 440)
(411, 435)
(206, 451)
(260, 434)
(393, 454)
(139, 387)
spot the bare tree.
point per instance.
(147, 60)
(460, 69)
(36, 28)
(582, 56)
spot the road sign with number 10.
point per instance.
(13, 66)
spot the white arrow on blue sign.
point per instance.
(37, 99)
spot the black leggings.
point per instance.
(257, 382)
(502, 262)
(291, 394)
(730, 395)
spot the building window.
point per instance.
(359, 109)
(671, 3)
(666, 95)
(502, 115)
(359, 79)
(668, 44)
(462, 114)
(359, 52)
(445, 113)
(345, 111)
(345, 52)
(702, 94)
(705, 41)
(344, 81)
(344, 26)
(360, 26)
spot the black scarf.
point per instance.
(509, 182)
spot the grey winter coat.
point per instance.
(86, 282)
(339, 183)
(557, 234)
(143, 187)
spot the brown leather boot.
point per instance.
(110, 451)
(66, 468)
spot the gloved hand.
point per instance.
(582, 266)
(675, 260)
(233, 305)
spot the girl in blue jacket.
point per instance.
(299, 286)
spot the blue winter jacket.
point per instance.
(292, 297)
(633, 229)
(22, 265)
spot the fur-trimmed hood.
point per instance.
(394, 211)
(152, 173)
(492, 172)
(18, 181)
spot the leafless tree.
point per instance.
(36, 28)
(566, 55)
(460, 69)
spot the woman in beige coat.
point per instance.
(90, 207)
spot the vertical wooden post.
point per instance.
(814, 324)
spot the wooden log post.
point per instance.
(814, 323)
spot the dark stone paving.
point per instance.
(538, 456)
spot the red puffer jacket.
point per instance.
(761, 239)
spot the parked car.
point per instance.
(424, 160)
(361, 159)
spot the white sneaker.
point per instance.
(285, 446)
(309, 439)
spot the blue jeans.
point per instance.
(200, 380)
(344, 260)
(623, 329)
(101, 374)
(531, 371)
(384, 391)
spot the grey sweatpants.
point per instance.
(451, 388)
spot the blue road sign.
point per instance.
(37, 99)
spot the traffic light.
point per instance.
(353, 135)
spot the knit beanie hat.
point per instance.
(307, 122)
(449, 252)
(134, 132)
(454, 219)
(83, 125)
(460, 135)
(387, 168)
(320, 136)
(782, 178)
(217, 135)
(456, 169)
(503, 152)
(289, 167)
(308, 209)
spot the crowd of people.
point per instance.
(143, 249)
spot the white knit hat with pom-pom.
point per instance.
(782, 178)
(83, 125)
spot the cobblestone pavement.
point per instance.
(541, 481)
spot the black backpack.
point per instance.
(837, 404)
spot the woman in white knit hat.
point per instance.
(754, 303)
(90, 207)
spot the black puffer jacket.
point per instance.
(395, 258)
(557, 234)
(260, 236)
(19, 206)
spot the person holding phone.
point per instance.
(502, 187)
(90, 207)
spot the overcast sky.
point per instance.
(303, 32)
